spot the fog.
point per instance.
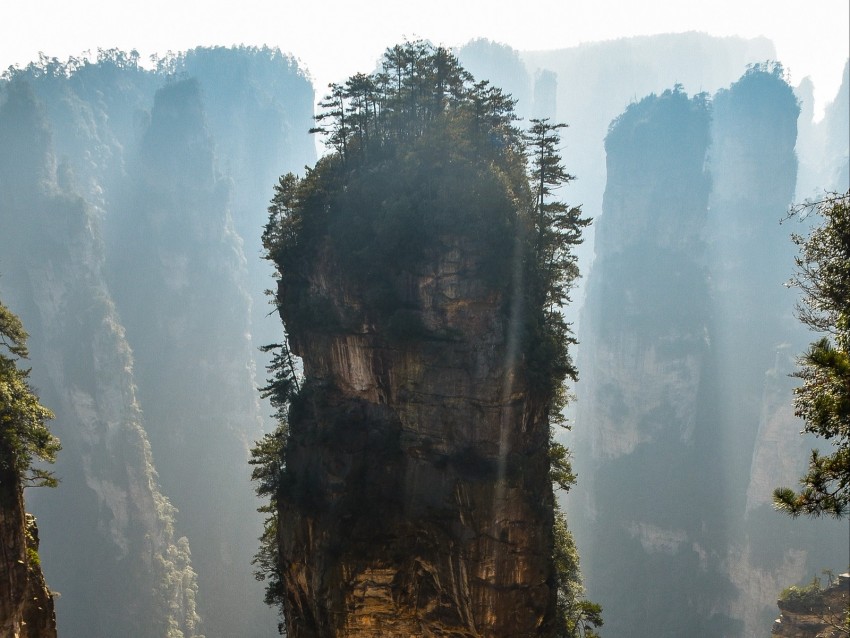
(132, 203)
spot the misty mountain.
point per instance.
(132, 203)
(589, 85)
(822, 146)
(684, 422)
(109, 534)
(125, 255)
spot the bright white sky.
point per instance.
(336, 38)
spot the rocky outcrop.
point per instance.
(26, 604)
(822, 613)
(418, 500)
(685, 421)
(39, 618)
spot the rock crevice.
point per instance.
(418, 500)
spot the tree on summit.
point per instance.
(422, 158)
(558, 226)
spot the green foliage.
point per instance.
(268, 458)
(33, 559)
(560, 466)
(823, 401)
(24, 436)
(283, 385)
(576, 616)
(556, 230)
(422, 153)
(807, 595)
(423, 158)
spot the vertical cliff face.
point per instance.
(685, 419)
(180, 282)
(420, 466)
(418, 279)
(754, 170)
(121, 216)
(258, 107)
(755, 340)
(115, 557)
(647, 455)
(814, 612)
(26, 604)
(821, 146)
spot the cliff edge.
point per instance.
(812, 612)
(421, 265)
(26, 604)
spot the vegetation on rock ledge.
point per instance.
(423, 158)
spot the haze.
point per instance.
(811, 37)
(417, 267)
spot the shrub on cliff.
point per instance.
(24, 436)
(823, 401)
(423, 159)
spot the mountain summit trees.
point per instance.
(420, 269)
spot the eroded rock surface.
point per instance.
(821, 616)
(26, 604)
(419, 502)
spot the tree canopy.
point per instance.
(24, 436)
(823, 400)
(421, 151)
(420, 155)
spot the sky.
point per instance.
(335, 39)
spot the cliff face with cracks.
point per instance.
(420, 500)
(817, 613)
(26, 604)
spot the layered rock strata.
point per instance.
(821, 616)
(26, 604)
(418, 501)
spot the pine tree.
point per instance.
(823, 401)
(268, 456)
(24, 436)
(420, 152)
(558, 226)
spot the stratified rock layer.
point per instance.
(824, 616)
(26, 604)
(418, 501)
